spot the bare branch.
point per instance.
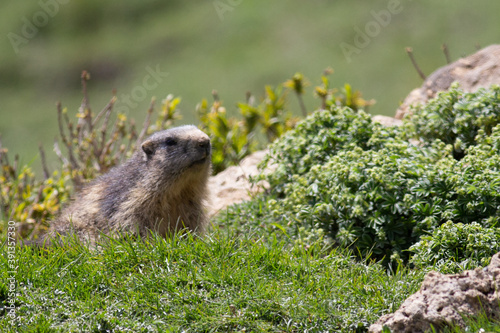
(248, 98)
(132, 138)
(84, 110)
(59, 121)
(409, 51)
(46, 173)
(107, 109)
(104, 127)
(67, 142)
(147, 121)
(76, 179)
(4, 162)
(215, 95)
(444, 47)
(16, 164)
(59, 154)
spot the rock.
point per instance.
(387, 121)
(445, 299)
(482, 69)
(233, 186)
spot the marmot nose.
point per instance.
(205, 145)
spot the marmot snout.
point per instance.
(161, 188)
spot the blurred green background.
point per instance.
(233, 46)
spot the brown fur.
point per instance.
(161, 188)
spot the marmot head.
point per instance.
(183, 150)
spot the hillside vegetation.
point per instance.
(371, 188)
(356, 214)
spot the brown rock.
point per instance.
(233, 185)
(480, 70)
(446, 299)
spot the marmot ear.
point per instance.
(148, 147)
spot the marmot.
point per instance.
(161, 188)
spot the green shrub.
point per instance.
(345, 96)
(456, 117)
(353, 178)
(370, 189)
(319, 137)
(233, 138)
(454, 247)
(27, 200)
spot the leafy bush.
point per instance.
(346, 96)
(341, 172)
(234, 138)
(454, 247)
(317, 139)
(372, 190)
(23, 198)
(456, 118)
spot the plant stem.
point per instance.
(302, 105)
(409, 50)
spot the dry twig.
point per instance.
(409, 51)
(444, 47)
(46, 173)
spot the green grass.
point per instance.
(245, 275)
(480, 324)
(215, 283)
(220, 282)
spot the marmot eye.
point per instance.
(170, 142)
